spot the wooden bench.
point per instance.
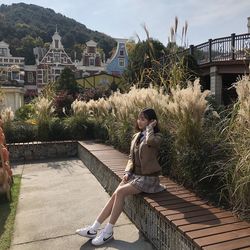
(173, 219)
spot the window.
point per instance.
(121, 62)
(57, 57)
(45, 76)
(3, 52)
(91, 50)
(56, 44)
(30, 77)
(65, 59)
(3, 76)
(91, 62)
(121, 52)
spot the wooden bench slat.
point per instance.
(230, 245)
(185, 209)
(166, 204)
(217, 229)
(216, 222)
(223, 237)
(186, 205)
(193, 214)
(205, 219)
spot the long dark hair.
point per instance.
(149, 114)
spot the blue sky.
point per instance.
(124, 18)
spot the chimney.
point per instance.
(248, 24)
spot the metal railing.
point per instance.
(234, 47)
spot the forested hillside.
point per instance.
(25, 26)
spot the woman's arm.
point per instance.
(129, 166)
(153, 139)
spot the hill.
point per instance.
(25, 26)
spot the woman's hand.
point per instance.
(153, 123)
(125, 178)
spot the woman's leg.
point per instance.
(119, 197)
(106, 211)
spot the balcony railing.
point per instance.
(234, 47)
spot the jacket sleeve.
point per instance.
(129, 166)
(153, 139)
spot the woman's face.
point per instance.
(142, 121)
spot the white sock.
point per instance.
(95, 225)
(109, 228)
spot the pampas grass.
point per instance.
(238, 134)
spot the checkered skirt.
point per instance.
(146, 184)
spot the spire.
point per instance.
(56, 41)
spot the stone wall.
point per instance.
(36, 151)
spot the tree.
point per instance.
(143, 56)
(67, 82)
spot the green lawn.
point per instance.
(7, 214)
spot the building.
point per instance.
(30, 83)
(52, 64)
(11, 96)
(119, 61)
(11, 68)
(248, 24)
(92, 61)
(103, 80)
(11, 79)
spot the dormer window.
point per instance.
(56, 44)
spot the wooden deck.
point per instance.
(208, 227)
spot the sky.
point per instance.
(125, 18)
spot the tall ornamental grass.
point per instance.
(238, 133)
(44, 111)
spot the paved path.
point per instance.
(56, 198)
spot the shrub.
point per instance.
(26, 112)
(20, 132)
(58, 130)
(76, 127)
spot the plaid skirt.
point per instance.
(146, 184)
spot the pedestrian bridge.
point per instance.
(220, 62)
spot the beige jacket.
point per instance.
(148, 152)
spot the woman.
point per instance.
(141, 175)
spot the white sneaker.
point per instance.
(102, 238)
(87, 232)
